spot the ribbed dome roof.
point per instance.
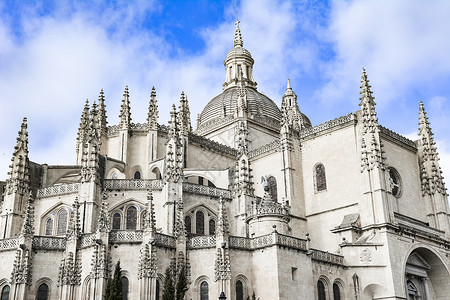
(239, 51)
(225, 105)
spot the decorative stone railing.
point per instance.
(87, 240)
(326, 257)
(212, 145)
(238, 242)
(275, 145)
(206, 190)
(204, 241)
(49, 243)
(59, 189)
(270, 239)
(133, 184)
(8, 244)
(327, 125)
(213, 124)
(139, 127)
(269, 209)
(125, 236)
(164, 240)
(398, 137)
(269, 122)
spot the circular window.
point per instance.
(395, 183)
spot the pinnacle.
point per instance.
(153, 92)
(288, 85)
(238, 42)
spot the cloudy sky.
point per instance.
(56, 54)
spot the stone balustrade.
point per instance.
(8, 244)
(269, 209)
(206, 190)
(125, 236)
(87, 240)
(327, 257)
(133, 184)
(165, 241)
(49, 243)
(203, 241)
(304, 133)
(273, 146)
(270, 239)
(60, 189)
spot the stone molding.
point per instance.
(56, 190)
(206, 190)
(49, 243)
(9, 244)
(307, 132)
(273, 146)
(133, 184)
(397, 137)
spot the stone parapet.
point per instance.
(203, 241)
(9, 244)
(133, 184)
(60, 189)
(49, 243)
(206, 190)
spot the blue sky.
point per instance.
(55, 54)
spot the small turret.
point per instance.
(125, 111)
(152, 117)
(290, 112)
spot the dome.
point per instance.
(225, 103)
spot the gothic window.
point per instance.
(199, 223)
(320, 178)
(42, 293)
(187, 223)
(204, 291)
(137, 175)
(125, 288)
(49, 226)
(62, 222)
(239, 290)
(272, 183)
(131, 218)
(395, 183)
(5, 292)
(212, 227)
(321, 290)
(116, 221)
(336, 292)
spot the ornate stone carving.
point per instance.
(18, 180)
(152, 118)
(125, 111)
(179, 228)
(366, 256)
(223, 227)
(149, 215)
(307, 132)
(101, 262)
(70, 270)
(133, 184)
(22, 267)
(103, 223)
(222, 266)
(147, 262)
(102, 118)
(60, 189)
(27, 230)
(206, 190)
(184, 116)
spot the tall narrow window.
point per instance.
(239, 290)
(212, 227)
(116, 221)
(187, 223)
(42, 293)
(137, 175)
(125, 288)
(199, 223)
(5, 292)
(321, 290)
(62, 222)
(321, 180)
(204, 291)
(131, 218)
(336, 292)
(49, 226)
(157, 292)
(272, 183)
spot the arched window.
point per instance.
(157, 290)
(239, 290)
(131, 218)
(125, 288)
(336, 292)
(395, 183)
(321, 290)
(272, 183)
(199, 223)
(42, 293)
(49, 226)
(116, 221)
(212, 227)
(5, 292)
(62, 222)
(137, 175)
(320, 178)
(204, 291)
(187, 223)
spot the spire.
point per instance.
(94, 123)
(431, 173)
(238, 42)
(125, 111)
(149, 217)
(290, 112)
(152, 118)
(103, 123)
(18, 176)
(82, 131)
(103, 217)
(27, 226)
(370, 121)
(173, 128)
(184, 116)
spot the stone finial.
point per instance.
(83, 129)
(432, 181)
(184, 115)
(180, 227)
(173, 125)
(290, 111)
(152, 117)
(18, 175)
(103, 217)
(222, 219)
(149, 217)
(27, 226)
(125, 111)
(102, 117)
(238, 42)
(74, 227)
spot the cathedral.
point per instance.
(254, 200)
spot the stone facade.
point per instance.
(256, 199)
